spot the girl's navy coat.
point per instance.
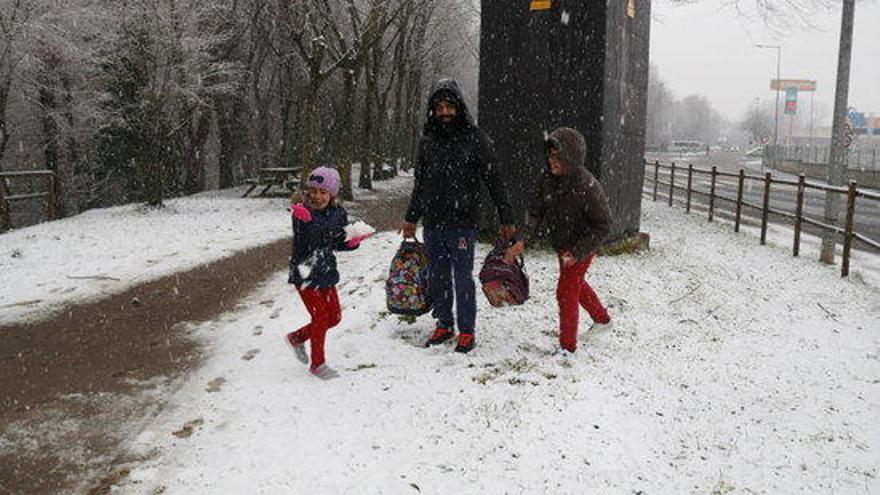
(312, 262)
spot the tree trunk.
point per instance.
(194, 173)
(346, 149)
(309, 133)
(366, 177)
(232, 113)
(4, 129)
(416, 75)
(285, 153)
(50, 139)
(226, 158)
(401, 55)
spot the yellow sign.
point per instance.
(540, 5)
(800, 84)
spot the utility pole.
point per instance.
(837, 158)
(811, 121)
(776, 108)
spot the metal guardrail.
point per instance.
(852, 192)
(6, 197)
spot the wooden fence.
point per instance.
(852, 193)
(6, 197)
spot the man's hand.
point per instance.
(567, 258)
(507, 231)
(513, 252)
(408, 230)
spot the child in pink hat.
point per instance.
(318, 231)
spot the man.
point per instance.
(454, 157)
(571, 204)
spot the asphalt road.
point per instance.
(782, 197)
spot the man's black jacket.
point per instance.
(453, 159)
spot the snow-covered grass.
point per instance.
(732, 368)
(106, 251)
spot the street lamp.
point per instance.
(776, 113)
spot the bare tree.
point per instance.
(15, 16)
(758, 122)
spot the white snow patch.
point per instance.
(358, 229)
(105, 251)
(730, 368)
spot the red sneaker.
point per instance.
(466, 342)
(440, 336)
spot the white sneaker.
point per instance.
(325, 372)
(597, 328)
(299, 350)
(594, 330)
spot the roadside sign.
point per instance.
(858, 119)
(799, 84)
(791, 101)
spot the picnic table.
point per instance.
(286, 178)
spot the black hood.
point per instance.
(447, 89)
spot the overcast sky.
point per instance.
(707, 48)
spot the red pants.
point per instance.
(323, 306)
(573, 291)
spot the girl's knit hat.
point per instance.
(325, 178)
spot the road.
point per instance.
(782, 197)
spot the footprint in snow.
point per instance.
(247, 356)
(258, 330)
(215, 384)
(188, 428)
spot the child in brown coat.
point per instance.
(571, 205)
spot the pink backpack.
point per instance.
(504, 284)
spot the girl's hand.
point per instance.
(356, 241)
(300, 212)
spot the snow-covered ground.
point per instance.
(106, 251)
(732, 368)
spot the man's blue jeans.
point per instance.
(452, 254)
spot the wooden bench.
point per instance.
(286, 178)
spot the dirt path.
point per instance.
(73, 386)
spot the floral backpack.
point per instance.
(406, 290)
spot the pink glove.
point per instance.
(356, 241)
(300, 212)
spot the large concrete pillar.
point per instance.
(582, 64)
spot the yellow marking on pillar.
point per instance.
(540, 5)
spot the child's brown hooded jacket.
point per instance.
(572, 208)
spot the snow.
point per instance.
(106, 251)
(358, 229)
(731, 368)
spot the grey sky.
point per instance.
(707, 48)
